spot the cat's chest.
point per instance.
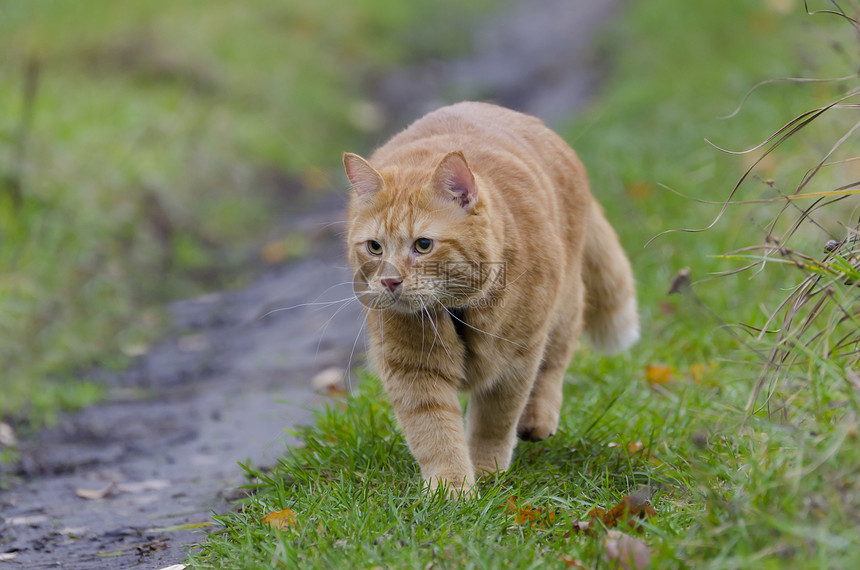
(483, 358)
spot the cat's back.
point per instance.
(474, 118)
(470, 126)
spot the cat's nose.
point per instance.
(391, 283)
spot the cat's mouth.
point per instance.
(407, 302)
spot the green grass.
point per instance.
(772, 485)
(159, 137)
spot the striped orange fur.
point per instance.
(481, 257)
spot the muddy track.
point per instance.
(164, 448)
(228, 380)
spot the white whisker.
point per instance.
(436, 331)
(515, 279)
(435, 336)
(453, 316)
(351, 354)
(325, 326)
(316, 301)
(316, 304)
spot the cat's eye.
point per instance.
(423, 245)
(374, 247)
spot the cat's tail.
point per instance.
(611, 318)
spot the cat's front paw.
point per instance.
(454, 487)
(492, 456)
(537, 423)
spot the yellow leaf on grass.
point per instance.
(330, 381)
(702, 373)
(640, 190)
(630, 511)
(658, 374)
(538, 516)
(697, 371)
(283, 519)
(638, 449)
(571, 562)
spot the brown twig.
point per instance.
(30, 88)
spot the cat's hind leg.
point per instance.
(540, 417)
(492, 415)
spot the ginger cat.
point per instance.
(481, 257)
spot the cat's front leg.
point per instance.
(429, 414)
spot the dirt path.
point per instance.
(163, 450)
(219, 390)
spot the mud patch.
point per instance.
(538, 57)
(221, 389)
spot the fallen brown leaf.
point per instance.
(571, 562)
(96, 494)
(697, 372)
(579, 526)
(7, 435)
(627, 551)
(73, 531)
(667, 308)
(680, 282)
(638, 449)
(330, 381)
(640, 190)
(274, 252)
(658, 374)
(282, 519)
(337, 392)
(148, 485)
(538, 516)
(628, 510)
(631, 510)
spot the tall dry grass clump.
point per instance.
(810, 343)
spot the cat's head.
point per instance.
(418, 236)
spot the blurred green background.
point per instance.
(146, 147)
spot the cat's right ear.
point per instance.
(363, 177)
(454, 178)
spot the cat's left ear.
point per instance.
(454, 178)
(363, 177)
